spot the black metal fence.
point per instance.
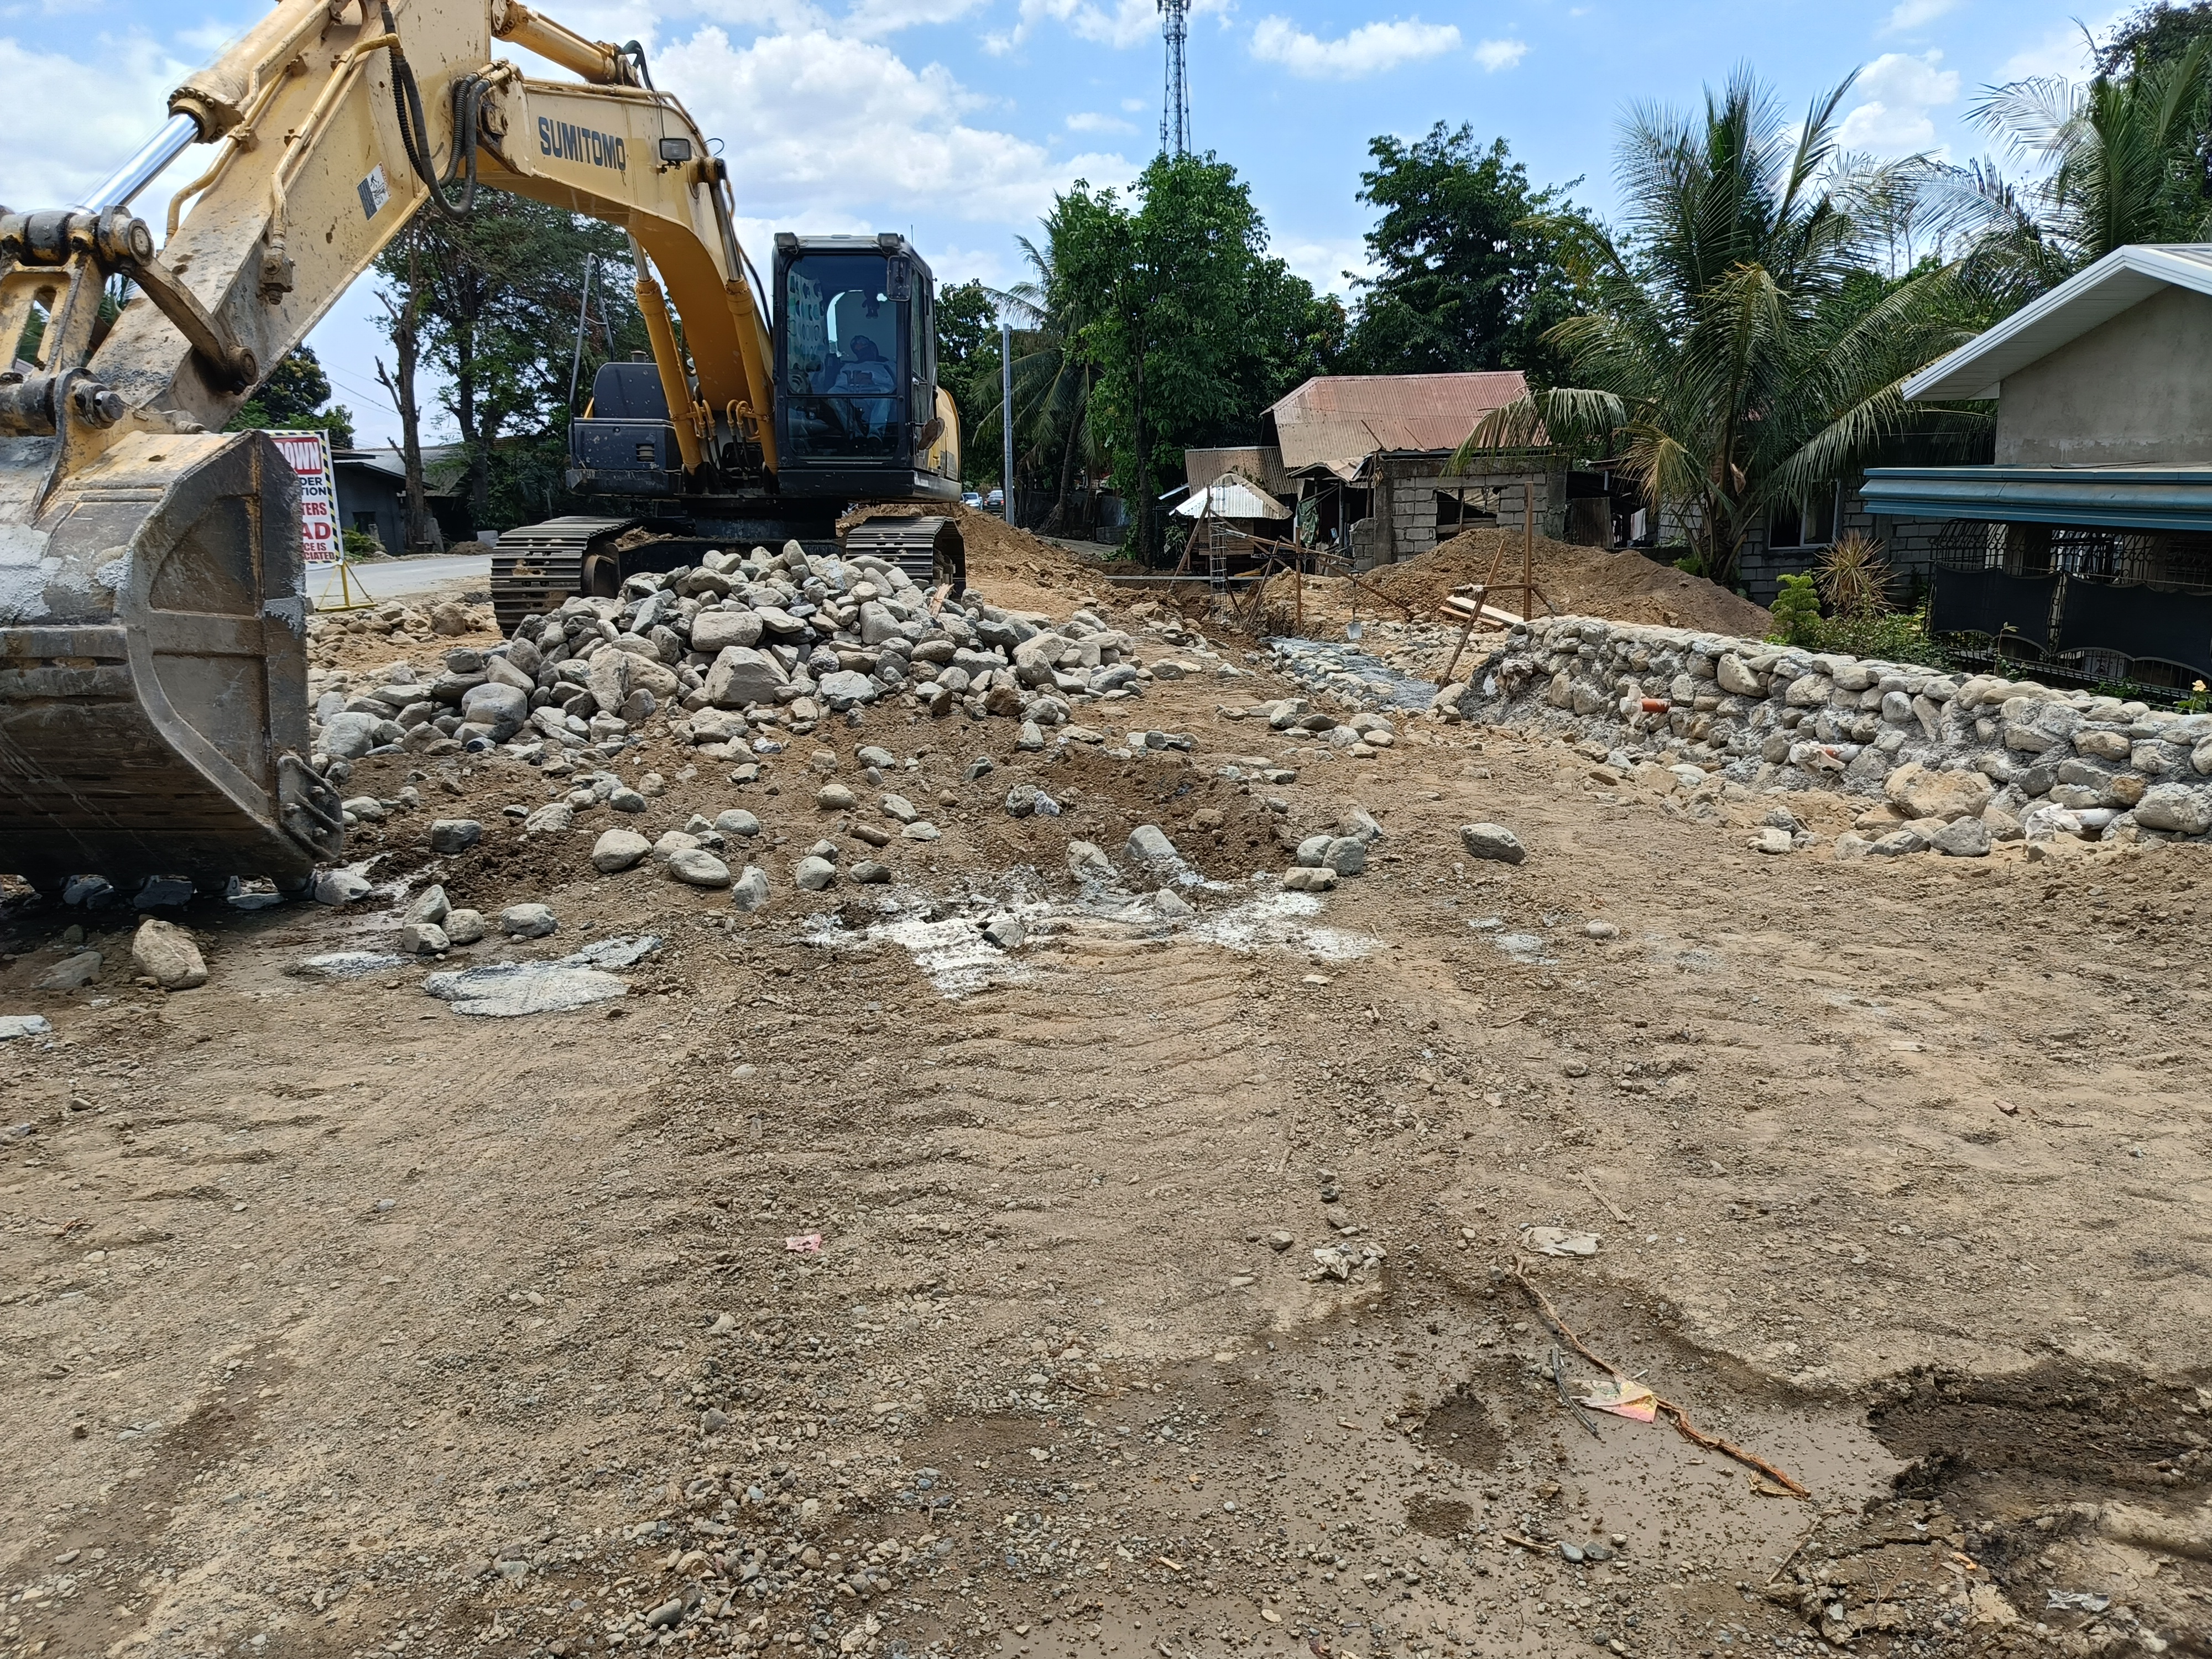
(2103, 605)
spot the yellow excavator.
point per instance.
(153, 666)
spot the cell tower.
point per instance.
(1175, 113)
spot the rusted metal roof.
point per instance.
(1336, 421)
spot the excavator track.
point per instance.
(539, 568)
(930, 549)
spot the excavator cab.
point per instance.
(857, 409)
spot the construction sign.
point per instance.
(309, 453)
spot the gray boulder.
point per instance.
(528, 921)
(335, 887)
(1148, 844)
(695, 867)
(1491, 841)
(72, 973)
(618, 850)
(165, 954)
(349, 737)
(502, 709)
(741, 676)
(749, 892)
(847, 687)
(813, 874)
(2175, 808)
(452, 836)
(1963, 838)
(716, 631)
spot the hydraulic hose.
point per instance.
(468, 93)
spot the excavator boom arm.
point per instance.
(153, 674)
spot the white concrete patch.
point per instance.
(1279, 921)
(507, 990)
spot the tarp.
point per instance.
(1231, 496)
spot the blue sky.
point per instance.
(956, 120)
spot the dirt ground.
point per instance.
(338, 1323)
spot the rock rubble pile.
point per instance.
(734, 653)
(1957, 763)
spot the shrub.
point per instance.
(1796, 611)
(1894, 636)
(1853, 578)
(361, 544)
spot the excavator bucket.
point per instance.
(153, 666)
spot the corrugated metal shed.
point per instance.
(1338, 421)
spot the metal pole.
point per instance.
(176, 136)
(583, 315)
(1006, 414)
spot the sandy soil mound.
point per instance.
(1585, 581)
(1015, 568)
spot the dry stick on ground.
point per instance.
(1612, 1208)
(1674, 1413)
(1804, 1538)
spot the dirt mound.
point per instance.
(1585, 581)
(1008, 566)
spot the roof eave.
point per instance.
(1968, 371)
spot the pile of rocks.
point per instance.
(1358, 738)
(735, 653)
(2018, 759)
(448, 619)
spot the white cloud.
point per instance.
(1118, 23)
(1915, 13)
(1089, 121)
(1496, 55)
(829, 126)
(1898, 91)
(1370, 49)
(869, 18)
(2061, 52)
(115, 102)
(1329, 264)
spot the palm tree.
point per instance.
(1052, 383)
(2120, 162)
(1742, 351)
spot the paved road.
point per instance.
(394, 579)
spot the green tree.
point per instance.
(290, 398)
(2117, 158)
(1187, 328)
(1472, 264)
(2153, 34)
(1051, 380)
(1740, 350)
(500, 292)
(968, 367)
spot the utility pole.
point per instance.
(1174, 110)
(1006, 414)
(583, 314)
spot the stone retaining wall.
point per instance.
(2021, 758)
